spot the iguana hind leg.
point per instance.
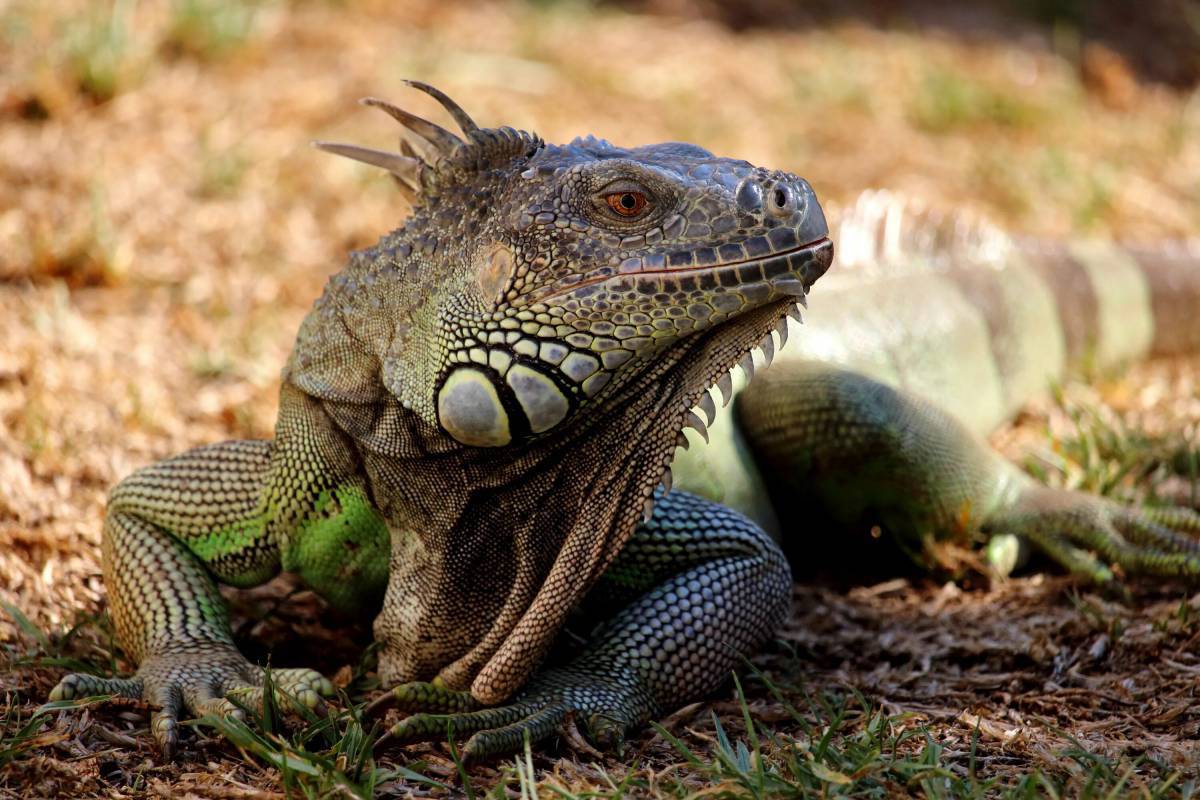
(871, 456)
(692, 591)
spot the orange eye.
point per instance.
(627, 204)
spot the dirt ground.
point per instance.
(164, 226)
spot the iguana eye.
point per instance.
(627, 204)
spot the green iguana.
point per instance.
(478, 411)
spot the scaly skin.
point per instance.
(485, 402)
(865, 454)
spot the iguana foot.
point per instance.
(207, 681)
(607, 705)
(1090, 535)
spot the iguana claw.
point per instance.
(1089, 535)
(607, 710)
(217, 681)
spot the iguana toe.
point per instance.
(80, 684)
(304, 686)
(425, 726)
(510, 738)
(164, 723)
(1089, 535)
(217, 681)
(551, 700)
(422, 696)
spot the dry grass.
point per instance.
(164, 227)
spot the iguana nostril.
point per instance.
(783, 200)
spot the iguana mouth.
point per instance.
(655, 273)
(749, 260)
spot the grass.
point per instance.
(333, 755)
(209, 30)
(777, 736)
(949, 100)
(100, 50)
(1101, 453)
(222, 171)
(96, 255)
(847, 747)
(109, 48)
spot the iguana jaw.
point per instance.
(766, 291)
(778, 271)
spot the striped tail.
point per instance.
(1119, 303)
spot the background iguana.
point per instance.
(486, 400)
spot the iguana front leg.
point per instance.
(234, 512)
(170, 529)
(866, 454)
(693, 590)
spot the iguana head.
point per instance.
(517, 363)
(561, 275)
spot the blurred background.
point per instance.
(164, 224)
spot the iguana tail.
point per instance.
(1120, 301)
